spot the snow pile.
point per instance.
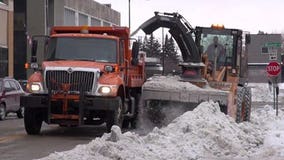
(204, 133)
(273, 126)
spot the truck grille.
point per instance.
(72, 82)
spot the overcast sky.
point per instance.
(248, 15)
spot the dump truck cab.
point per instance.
(88, 76)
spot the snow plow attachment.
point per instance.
(166, 97)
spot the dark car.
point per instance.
(23, 84)
(10, 92)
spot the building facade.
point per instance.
(36, 17)
(263, 49)
(6, 38)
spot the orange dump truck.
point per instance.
(89, 76)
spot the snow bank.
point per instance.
(201, 134)
(262, 92)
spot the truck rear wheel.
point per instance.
(33, 121)
(21, 112)
(115, 117)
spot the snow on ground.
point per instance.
(263, 92)
(202, 134)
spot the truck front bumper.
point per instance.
(88, 102)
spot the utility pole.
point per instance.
(129, 15)
(163, 52)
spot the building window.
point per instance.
(83, 19)
(106, 24)
(3, 62)
(95, 22)
(69, 17)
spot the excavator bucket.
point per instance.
(161, 92)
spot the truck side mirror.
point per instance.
(135, 52)
(34, 50)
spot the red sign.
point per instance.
(273, 68)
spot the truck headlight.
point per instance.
(36, 87)
(107, 90)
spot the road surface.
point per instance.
(15, 144)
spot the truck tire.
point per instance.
(2, 112)
(21, 112)
(243, 104)
(115, 117)
(33, 121)
(133, 121)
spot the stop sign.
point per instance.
(273, 68)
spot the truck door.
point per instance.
(122, 59)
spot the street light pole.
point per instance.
(163, 51)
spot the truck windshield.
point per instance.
(90, 49)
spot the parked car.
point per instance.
(10, 92)
(23, 84)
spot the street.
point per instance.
(15, 144)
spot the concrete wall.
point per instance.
(6, 34)
(95, 9)
(257, 61)
(86, 7)
(36, 24)
(257, 42)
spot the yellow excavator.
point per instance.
(201, 78)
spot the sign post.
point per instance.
(273, 70)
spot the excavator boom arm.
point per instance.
(181, 31)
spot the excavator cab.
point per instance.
(221, 51)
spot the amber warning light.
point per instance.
(85, 29)
(217, 26)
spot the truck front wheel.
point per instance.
(115, 117)
(33, 121)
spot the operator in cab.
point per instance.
(216, 55)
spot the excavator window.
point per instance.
(219, 49)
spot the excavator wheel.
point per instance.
(243, 104)
(248, 103)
